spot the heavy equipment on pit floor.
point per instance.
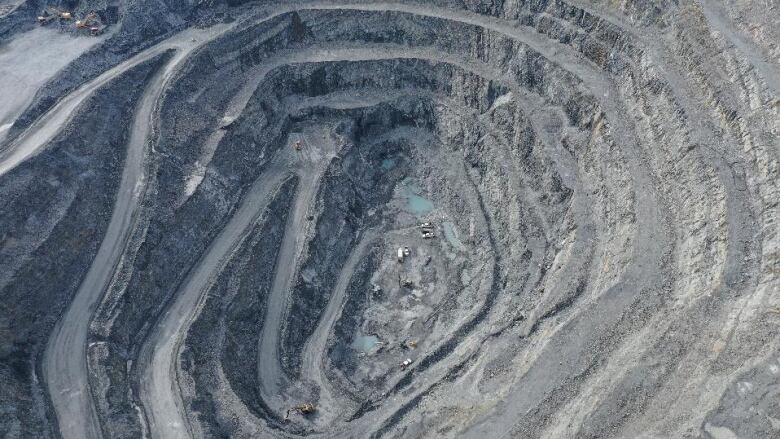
(306, 408)
(86, 21)
(427, 230)
(50, 14)
(92, 22)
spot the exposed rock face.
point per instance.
(465, 218)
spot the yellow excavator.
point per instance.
(86, 21)
(91, 21)
(304, 409)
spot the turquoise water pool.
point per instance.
(388, 164)
(364, 343)
(416, 203)
(419, 205)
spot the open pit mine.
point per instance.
(390, 219)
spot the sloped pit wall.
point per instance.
(53, 221)
(178, 227)
(484, 51)
(353, 186)
(659, 120)
(439, 79)
(223, 339)
(193, 109)
(171, 246)
(176, 239)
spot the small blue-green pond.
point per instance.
(388, 164)
(364, 343)
(417, 204)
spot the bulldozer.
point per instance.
(96, 30)
(45, 19)
(306, 408)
